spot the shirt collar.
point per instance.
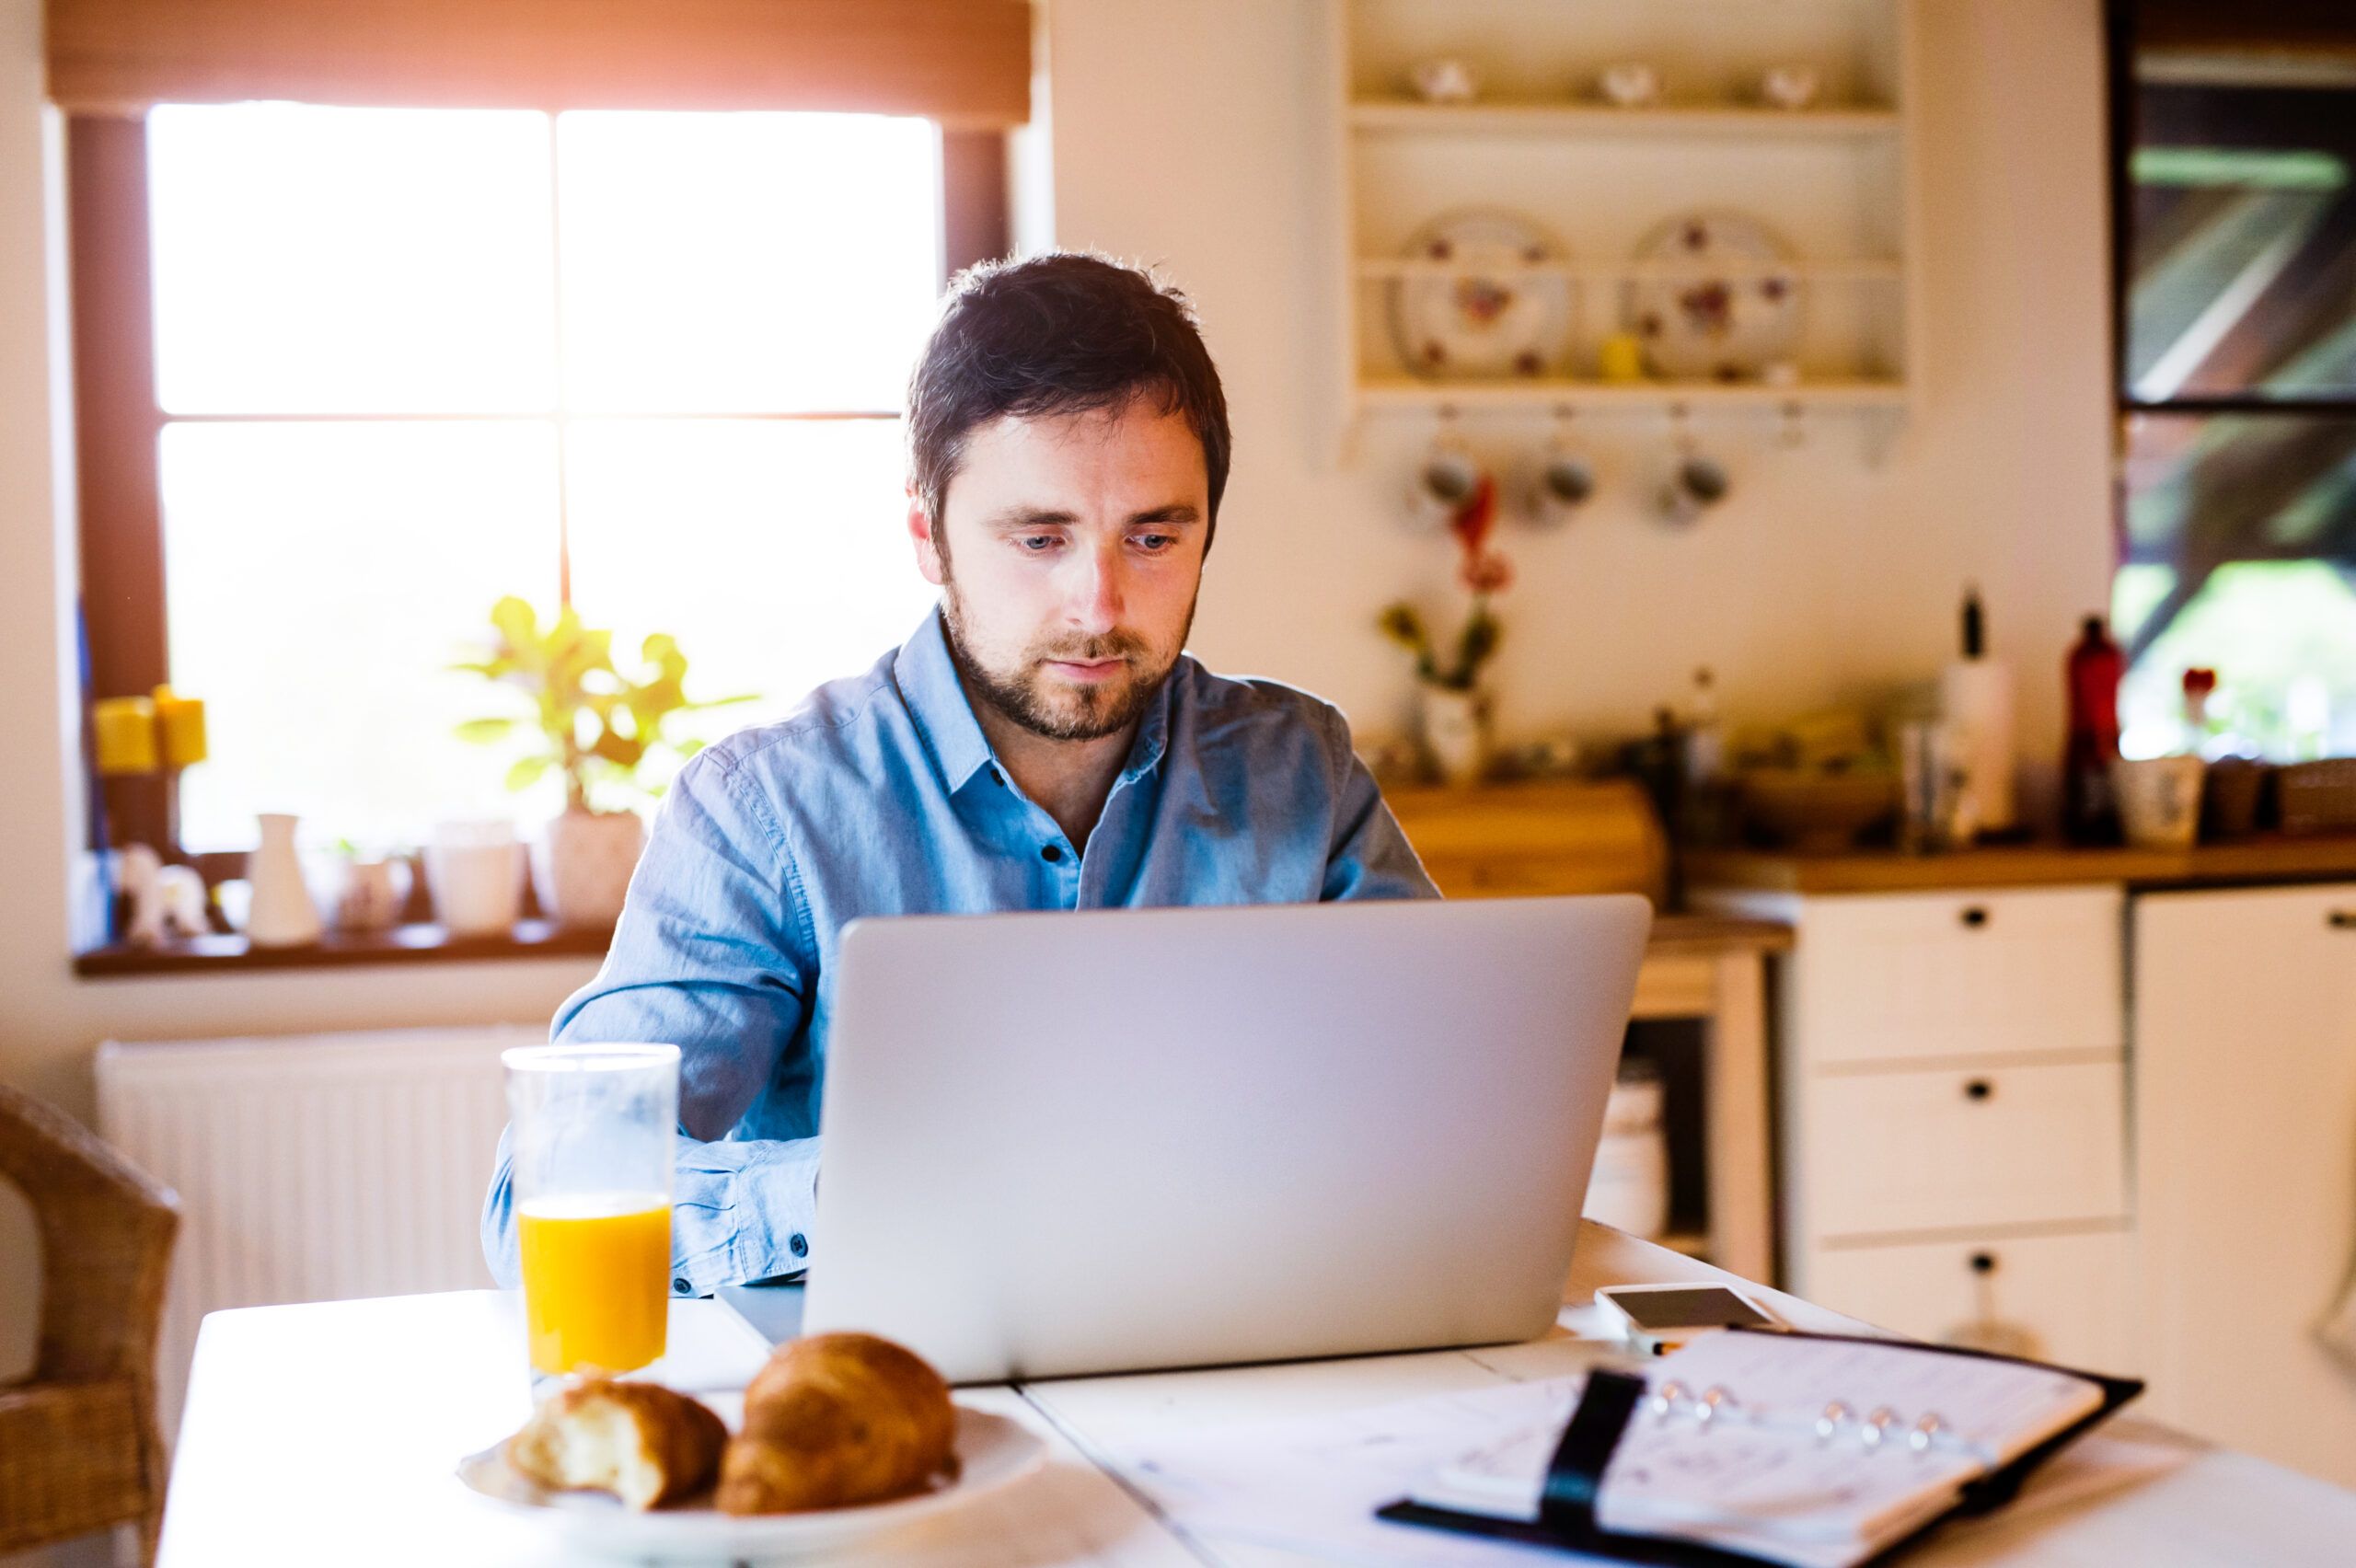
(936, 699)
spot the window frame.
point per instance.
(119, 423)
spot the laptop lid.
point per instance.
(1072, 1143)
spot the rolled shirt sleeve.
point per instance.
(1369, 856)
(714, 953)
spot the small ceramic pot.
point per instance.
(1790, 87)
(2159, 799)
(475, 872)
(582, 865)
(369, 895)
(1630, 85)
(1456, 734)
(1444, 81)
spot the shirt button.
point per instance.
(682, 1287)
(998, 778)
(800, 1248)
(1051, 854)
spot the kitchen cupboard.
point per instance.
(2245, 1138)
(1952, 1112)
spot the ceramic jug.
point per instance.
(282, 914)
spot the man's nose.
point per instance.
(1094, 603)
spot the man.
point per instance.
(1041, 743)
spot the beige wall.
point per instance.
(1196, 135)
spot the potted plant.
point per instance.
(1453, 708)
(597, 726)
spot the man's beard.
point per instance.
(1062, 711)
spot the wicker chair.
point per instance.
(79, 1447)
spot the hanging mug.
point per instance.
(1443, 481)
(1565, 483)
(1694, 485)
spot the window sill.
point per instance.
(420, 943)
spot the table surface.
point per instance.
(329, 1432)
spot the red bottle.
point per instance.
(2089, 813)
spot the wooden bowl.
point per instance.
(1817, 811)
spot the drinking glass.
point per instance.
(592, 1134)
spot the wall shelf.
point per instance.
(1835, 184)
(1540, 395)
(1407, 116)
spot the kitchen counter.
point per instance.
(2272, 858)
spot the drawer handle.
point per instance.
(1975, 917)
(1983, 1262)
(1979, 1088)
(2342, 920)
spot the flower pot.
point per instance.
(369, 895)
(1456, 733)
(475, 871)
(581, 865)
(282, 912)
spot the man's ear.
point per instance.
(921, 535)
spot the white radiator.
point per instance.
(310, 1168)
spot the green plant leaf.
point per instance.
(481, 731)
(528, 771)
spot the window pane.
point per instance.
(746, 262)
(2241, 557)
(2242, 229)
(320, 576)
(312, 260)
(773, 550)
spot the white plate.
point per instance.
(1736, 314)
(992, 1451)
(1492, 318)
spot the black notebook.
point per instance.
(1808, 1450)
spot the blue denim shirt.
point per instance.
(882, 796)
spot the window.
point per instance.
(405, 361)
(2235, 174)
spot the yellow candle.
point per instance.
(1621, 358)
(182, 719)
(126, 734)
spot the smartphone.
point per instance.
(1656, 1318)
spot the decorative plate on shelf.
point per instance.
(1491, 317)
(1734, 316)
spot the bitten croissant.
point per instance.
(639, 1441)
(834, 1420)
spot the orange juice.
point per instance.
(597, 1280)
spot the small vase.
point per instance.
(282, 912)
(1456, 733)
(582, 865)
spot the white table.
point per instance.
(328, 1432)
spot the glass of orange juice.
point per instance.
(592, 1131)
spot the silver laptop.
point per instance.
(1074, 1143)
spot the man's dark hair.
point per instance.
(1061, 333)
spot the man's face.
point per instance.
(1077, 547)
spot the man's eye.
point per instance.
(1157, 542)
(1036, 543)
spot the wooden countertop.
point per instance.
(1706, 935)
(2273, 859)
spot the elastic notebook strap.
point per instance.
(1576, 1473)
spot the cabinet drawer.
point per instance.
(1965, 1149)
(2068, 1294)
(1892, 977)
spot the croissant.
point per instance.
(834, 1420)
(639, 1441)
